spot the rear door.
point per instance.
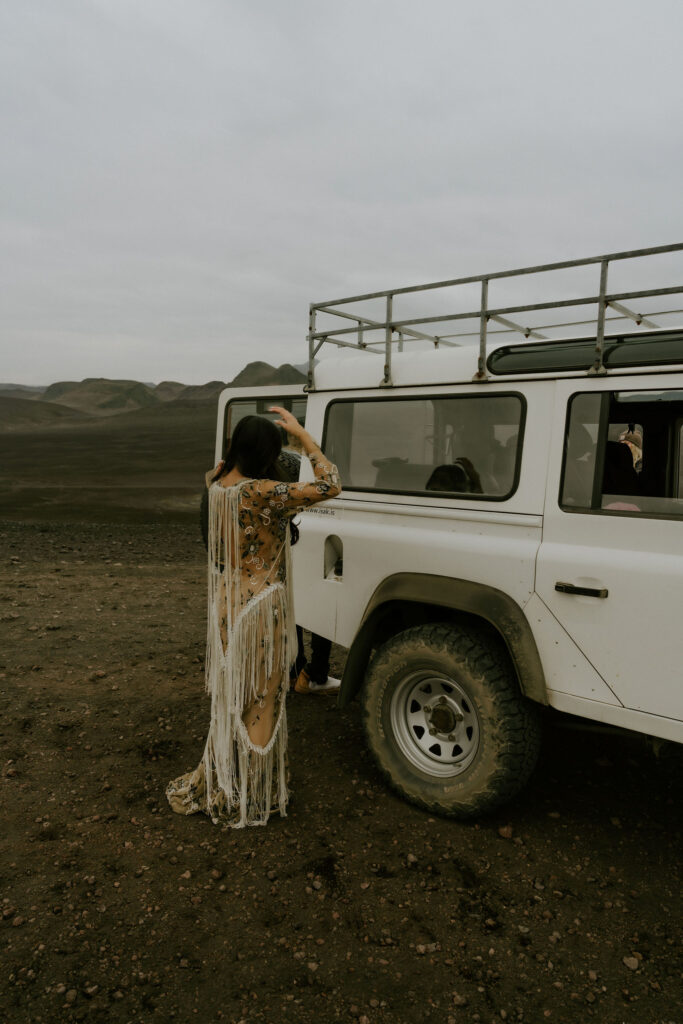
(610, 566)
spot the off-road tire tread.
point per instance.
(515, 735)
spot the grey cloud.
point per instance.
(180, 180)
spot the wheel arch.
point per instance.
(407, 599)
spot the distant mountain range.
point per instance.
(67, 402)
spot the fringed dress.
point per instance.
(251, 646)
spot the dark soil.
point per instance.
(140, 467)
(565, 906)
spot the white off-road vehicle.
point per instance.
(510, 530)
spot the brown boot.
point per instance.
(303, 683)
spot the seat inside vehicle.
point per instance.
(399, 475)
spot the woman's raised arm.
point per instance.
(299, 495)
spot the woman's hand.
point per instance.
(289, 422)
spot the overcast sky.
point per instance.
(180, 178)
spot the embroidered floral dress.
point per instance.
(251, 645)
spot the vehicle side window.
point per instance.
(580, 451)
(461, 445)
(623, 454)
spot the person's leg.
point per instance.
(319, 666)
(300, 654)
(259, 715)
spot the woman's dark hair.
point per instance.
(254, 447)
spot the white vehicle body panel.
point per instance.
(488, 542)
(636, 721)
(378, 543)
(567, 670)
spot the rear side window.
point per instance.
(623, 453)
(465, 445)
(238, 408)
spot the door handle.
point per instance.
(570, 588)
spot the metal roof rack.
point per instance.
(365, 328)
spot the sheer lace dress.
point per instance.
(251, 645)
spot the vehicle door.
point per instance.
(610, 565)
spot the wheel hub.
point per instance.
(435, 724)
(444, 717)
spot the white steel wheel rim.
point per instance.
(435, 723)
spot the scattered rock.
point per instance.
(423, 948)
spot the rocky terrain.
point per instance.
(356, 907)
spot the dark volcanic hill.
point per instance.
(98, 396)
(19, 415)
(254, 375)
(262, 374)
(201, 392)
(168, 390)
(101, 397)
(21, 390)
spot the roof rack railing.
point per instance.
(361, 334)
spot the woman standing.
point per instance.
(251, 639)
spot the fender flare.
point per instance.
(452, 595)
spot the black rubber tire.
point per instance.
(204, 517)
(509, 724)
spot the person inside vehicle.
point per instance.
(459, 477)
(633, 439)
(619, 477)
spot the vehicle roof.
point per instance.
(451, 365)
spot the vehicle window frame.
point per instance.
(678, 456)
(448, 495)
(601, 449)
(269, 399)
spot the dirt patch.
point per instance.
(563, 907)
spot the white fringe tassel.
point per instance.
(257, 642)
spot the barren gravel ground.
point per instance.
(563, 907)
